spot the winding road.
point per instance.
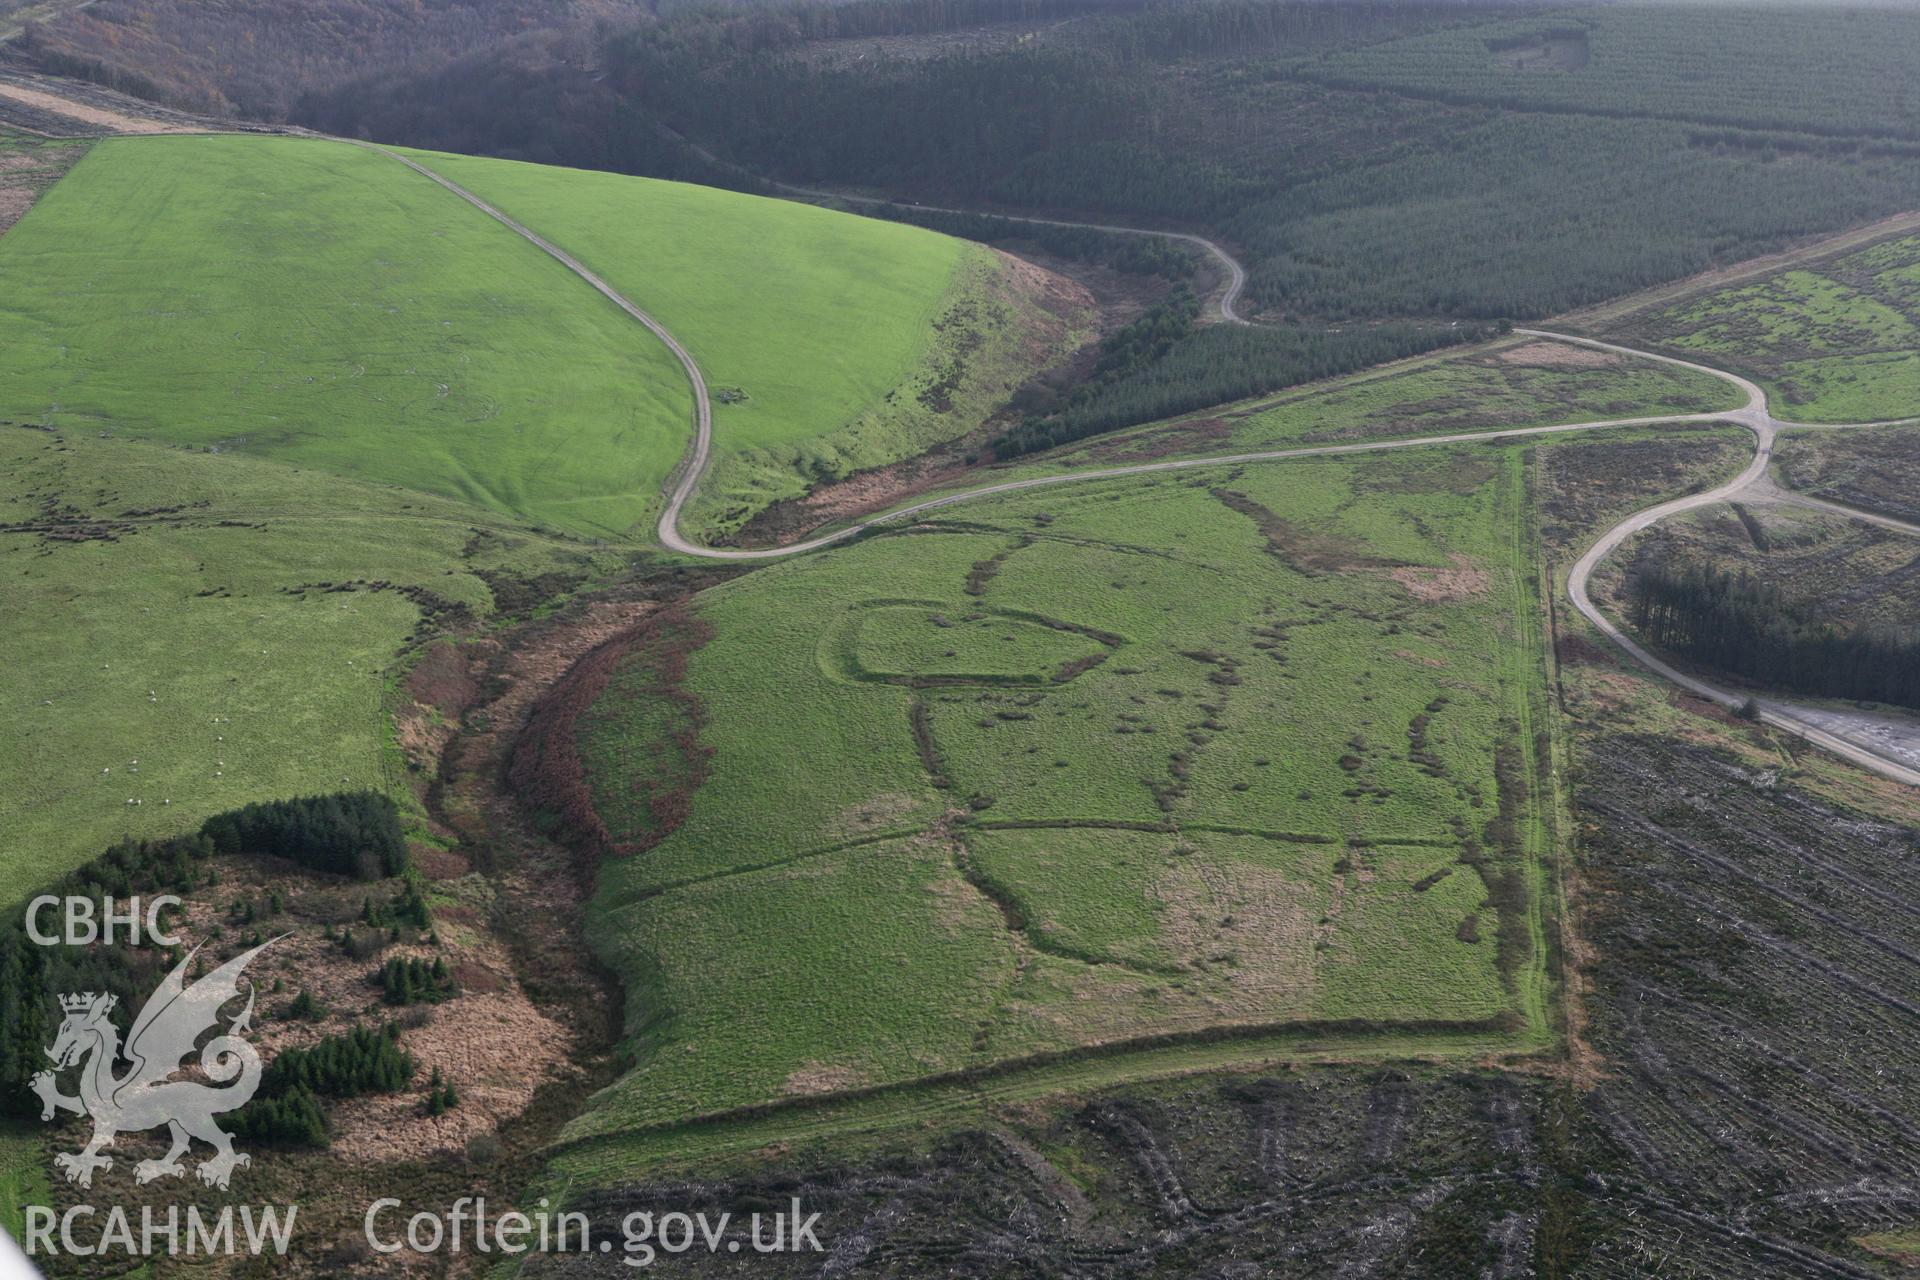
(1226, 305)
(1236, 280)
(1885, 744)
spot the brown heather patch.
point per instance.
(1557, 355)
(1194, 436)
(14, 203)
(436, 863)
(811, 1080)
(496, 1047)
(85, 113)
(1575, 650)
(489, 1039)
(1058, 297)
(1249, 926)
(1464, 581)
(444, 678)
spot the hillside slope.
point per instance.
(320, 305)
(833, 343)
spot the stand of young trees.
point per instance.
(1162, 365)
(350, 833)
(287, 1111)
(1737, 624)
(413, 980)
(33, 977)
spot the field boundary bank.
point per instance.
(1286, 1040)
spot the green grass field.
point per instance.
(1836, 340)
(320, 305)
(857, 341)
(1119, 761)
(165, 606)
(23, 1176)
(261, 367)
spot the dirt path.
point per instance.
(694, 464)
(1889, 748)
(1226, 306)
(1766, 491)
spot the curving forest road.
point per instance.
(1885, 744)
(1226, 305)
(1229, 295)
(1882, 743)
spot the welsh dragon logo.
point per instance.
(145, 1096)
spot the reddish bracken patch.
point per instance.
(443, 678)
(436, 863)
(1578, 651)
(546, 769)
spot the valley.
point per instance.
(1080, 724)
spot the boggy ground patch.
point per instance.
(1832, 339)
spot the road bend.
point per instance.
(1883, 744)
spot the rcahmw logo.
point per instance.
(170, 1231)
(144, 1095)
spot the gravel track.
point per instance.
(1884, 744)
